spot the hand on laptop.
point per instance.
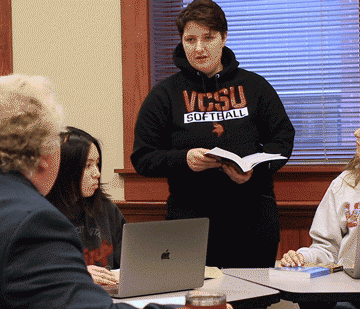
(101, 275)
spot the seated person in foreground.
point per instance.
(336, 221)
(335, 224)
(77, 193)
(41, 256)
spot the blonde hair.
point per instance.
(30, 120)
(354, 167)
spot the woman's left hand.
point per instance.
(239, 178)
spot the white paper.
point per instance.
(141, 303)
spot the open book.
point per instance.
(245, 163)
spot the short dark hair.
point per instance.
(66, 193)
(204, 12)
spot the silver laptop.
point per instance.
(162, 256)
(354, 272)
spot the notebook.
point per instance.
(162, 256)
(354, 272)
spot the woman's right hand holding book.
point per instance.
(292, 259)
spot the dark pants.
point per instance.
(246, 237)
(243, 233)
(238, 253)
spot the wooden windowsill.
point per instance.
(320, 168)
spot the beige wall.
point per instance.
(77, 44)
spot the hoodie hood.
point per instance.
(227, 59)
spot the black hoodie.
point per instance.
(236, 110)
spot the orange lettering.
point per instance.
(201, 102)
(217, 98)
(210, 108)
(242, 103)
(224, 98)
(190, 106)
(351, 218)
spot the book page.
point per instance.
(256, 158)
(218, 152)
(245, 163)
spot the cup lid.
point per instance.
(203, 298)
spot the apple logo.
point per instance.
(166, 255)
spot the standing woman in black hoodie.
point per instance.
(213, 103)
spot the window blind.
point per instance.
(309, 52)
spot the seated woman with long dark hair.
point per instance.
(77, 193)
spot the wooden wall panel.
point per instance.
(135, 65)
(299, 186)
(140, 211)
(6, 60)
(138, 188)
(289, 239)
